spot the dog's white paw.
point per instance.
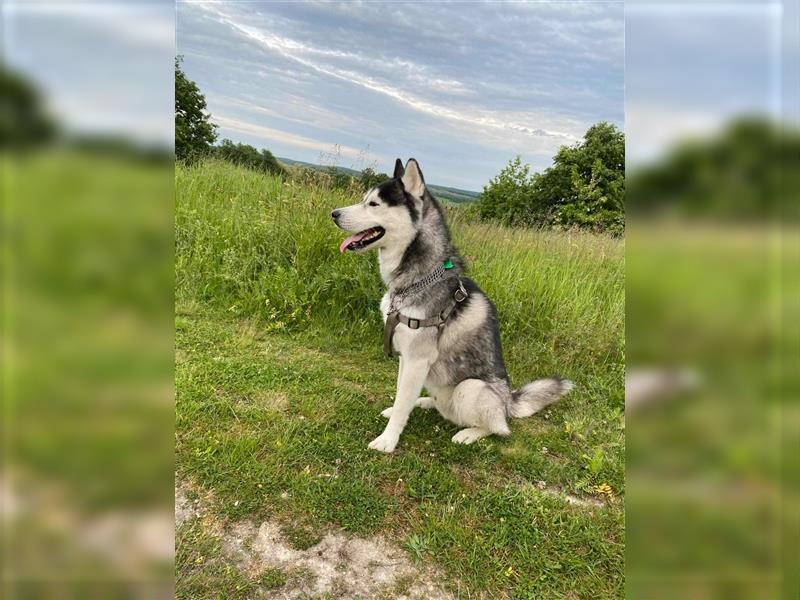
(470, 435)
(386, 412)
(384, 443)
(424, 403)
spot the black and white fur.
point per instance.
(462, 367)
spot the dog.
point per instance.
(442, 325)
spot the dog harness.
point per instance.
(395, 317)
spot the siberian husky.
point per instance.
(440, 323)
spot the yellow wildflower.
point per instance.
(604, 489)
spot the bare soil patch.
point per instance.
(339, 566)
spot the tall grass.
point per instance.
(261, 246)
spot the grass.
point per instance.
(280, 380)
(88, 416)
(84, 260)
(707, 468)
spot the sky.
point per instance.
(691, 67)
(462, 87)
(102, 67)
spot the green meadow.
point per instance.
(280, 380)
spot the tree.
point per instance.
(509, 197)
(247, 156)
(584, 187)
(369, 178)
(194, 133)
(749, 171)
(23, 121)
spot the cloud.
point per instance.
(297, 111)
(291, 139)
(298, 51)
(466, 87)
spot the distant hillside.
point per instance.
(291, 161)
(453, 194)
(447, 194)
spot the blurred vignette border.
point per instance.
(87, 331)
(88, 419)
(712, 306)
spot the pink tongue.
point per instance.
(352, 238)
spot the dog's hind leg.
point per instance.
(425, 403)
(470, 434)
(439, 396)
(480, 407)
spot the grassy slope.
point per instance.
(280, 380)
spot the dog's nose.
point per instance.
(335, 214)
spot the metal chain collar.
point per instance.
(440, 273)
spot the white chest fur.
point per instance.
(407, 342)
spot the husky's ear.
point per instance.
(398, 169)
(412, 179)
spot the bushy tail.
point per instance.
(534, 396)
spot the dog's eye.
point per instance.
(373, 204)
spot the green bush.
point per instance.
(584, 188)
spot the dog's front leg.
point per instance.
(410, 380)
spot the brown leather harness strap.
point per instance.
(396, 317)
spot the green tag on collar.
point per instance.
(448, 264)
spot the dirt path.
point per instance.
(338, 566)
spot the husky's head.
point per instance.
(388, 215)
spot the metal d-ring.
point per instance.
(460, 294)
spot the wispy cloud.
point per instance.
(269, 134)
(463, 87)
(298, 52)
(297, 111)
